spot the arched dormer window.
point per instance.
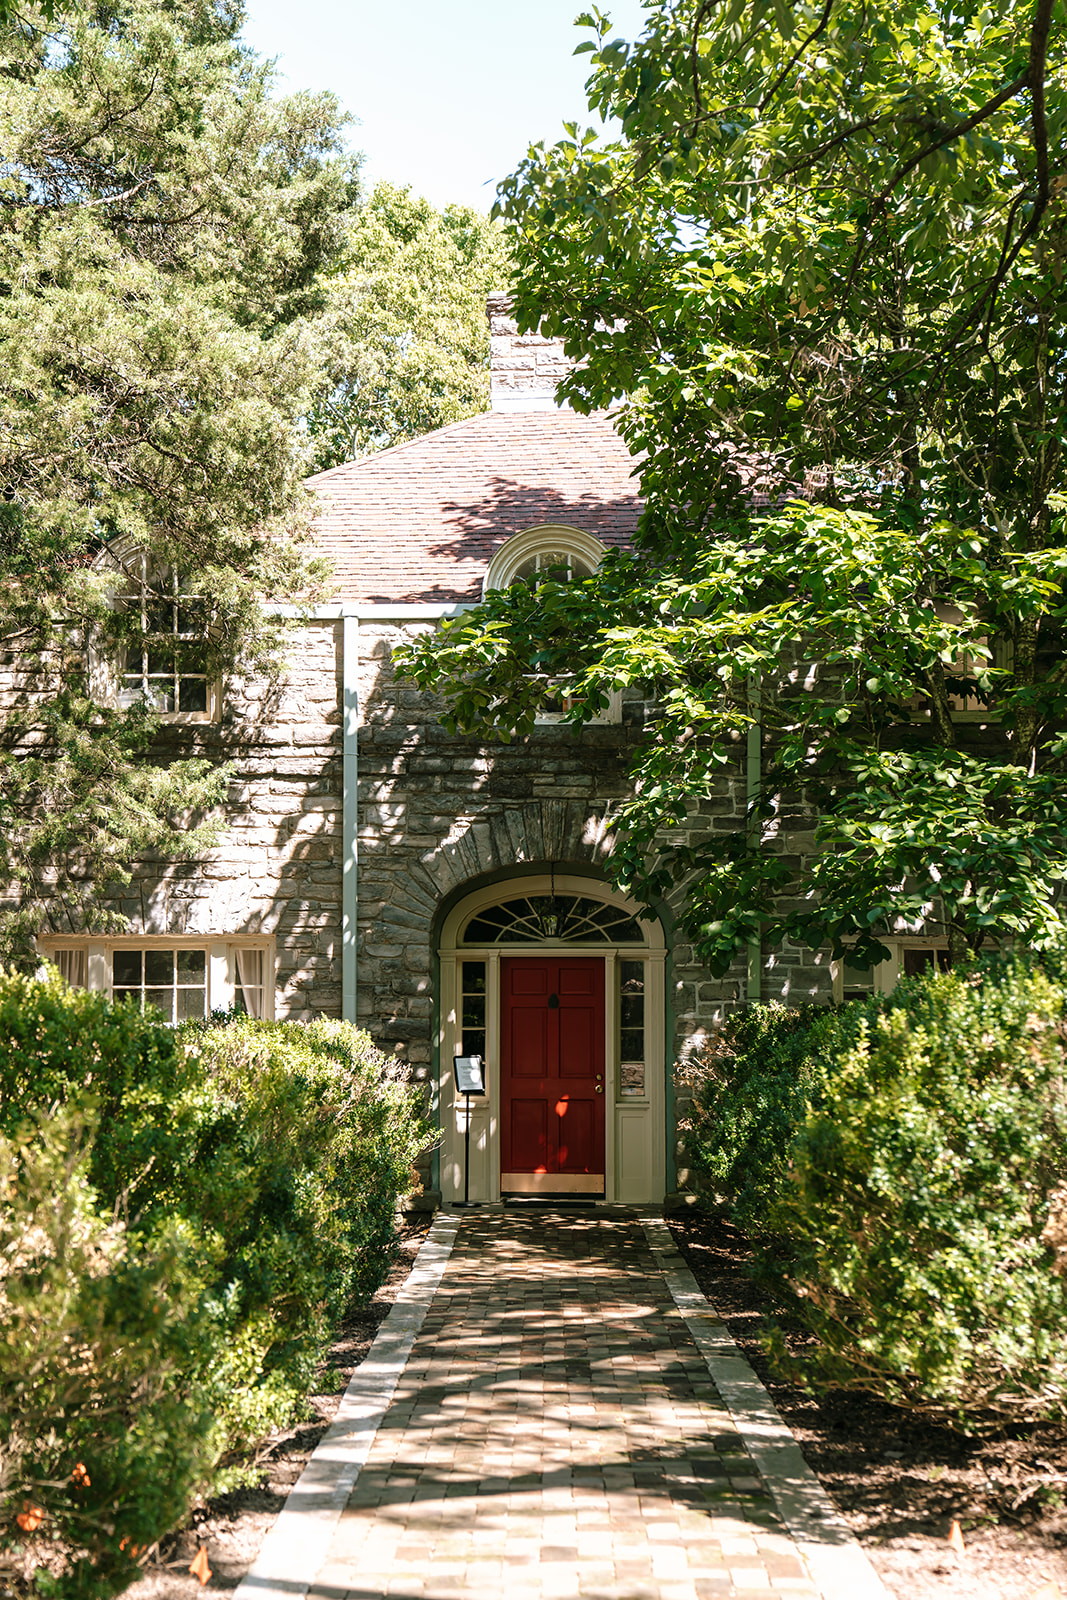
(550, 551)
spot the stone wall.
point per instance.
(438, 813)
(277, 868)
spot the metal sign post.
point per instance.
(470, 1079)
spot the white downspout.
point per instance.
(753, 776)
(350, 800)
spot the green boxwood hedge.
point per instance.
(895, 1161)
(185, 1214)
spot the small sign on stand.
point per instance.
(470, 1080)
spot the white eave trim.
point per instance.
(371, 613)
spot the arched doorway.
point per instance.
(558, 983)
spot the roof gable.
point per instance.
(420, 521)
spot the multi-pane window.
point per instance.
(181, 978)
(916, 962)
(631, 1029)
(565, 918)
(557, 565)
(857, 982)
(561, 555)
(906, 960)
(166, 656)
(174, 981)
(472, 1003)
(560, 566)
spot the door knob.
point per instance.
(600, 1088)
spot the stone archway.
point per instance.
(397, 923)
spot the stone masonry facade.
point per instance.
(412, 531)
(437, 813)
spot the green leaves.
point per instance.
(822, 264)
(181, 1216)
(402, 340)
(907, 1151)
(165, 227)
(881, 701)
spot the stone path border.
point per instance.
(297, 1544)
(838, 1564)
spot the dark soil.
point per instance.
(899, 1480)
(232, 1527)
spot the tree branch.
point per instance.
(795, 57)
(1033, 79)
(694, 59)
(1036, 72)
(956, 132)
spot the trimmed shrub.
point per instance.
(105, 1431)
(308, 1139)
(906, 1159)
(752, 1085)
(243, 1180)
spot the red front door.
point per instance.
(552, 1075)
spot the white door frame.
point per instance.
(635, 1129)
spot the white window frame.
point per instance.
(550, 539)
(222, 976)
(106, 670)
(886, 974)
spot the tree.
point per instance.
(165, 227)
(822, 275)
(403, 340)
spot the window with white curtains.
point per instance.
(249, 997)
(72, 966)
(179, 977)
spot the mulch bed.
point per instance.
(900, 1481)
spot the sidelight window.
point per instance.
(473, 1008)
(631, 1029)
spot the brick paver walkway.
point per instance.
(555, 1433)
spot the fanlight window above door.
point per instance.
(553, 919)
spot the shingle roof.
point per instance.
(420, 521)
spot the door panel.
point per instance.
(577, 1134)
(552, 1072)
(528, 1042)
(578, 1056)
(529, 980)
(529, 1134)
